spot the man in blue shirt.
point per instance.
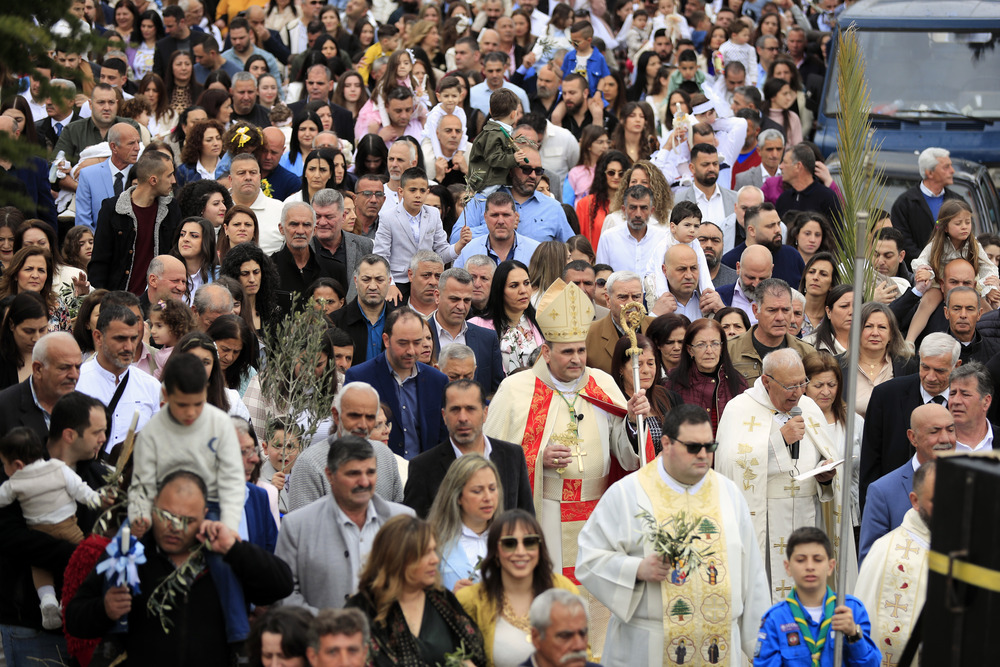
(502, 242)
(540, 217)
(805, 624)
(494, 66)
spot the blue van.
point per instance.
(933, 69)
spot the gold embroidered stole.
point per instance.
(697, 608)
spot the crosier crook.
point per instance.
(631, 319)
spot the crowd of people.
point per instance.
(474, 198)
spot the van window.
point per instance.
(956, 74)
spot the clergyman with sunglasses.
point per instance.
(702, 609)
(770, 435)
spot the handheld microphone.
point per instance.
(794, 447)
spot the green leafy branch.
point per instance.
(457, 658)
(674, 539)
(174, 588)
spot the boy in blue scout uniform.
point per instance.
(800, 630)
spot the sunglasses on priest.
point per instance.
(695, 447)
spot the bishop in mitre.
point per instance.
(572, 421)
(893, 579)
(762, 447)
(704, 610)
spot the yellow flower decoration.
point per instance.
(242, 137)
(265, 187)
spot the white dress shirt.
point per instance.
(984, 445)
(743, 303)
(142, 395)
(445, 337)
(623, 252)
(712, 208)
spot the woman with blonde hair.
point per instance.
(644, 173)
(517, 569)
(464, 508)
(414, 621)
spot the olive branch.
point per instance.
(175, 587)
(673, 540)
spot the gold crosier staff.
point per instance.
(631, 319)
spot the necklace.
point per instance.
(522, 623)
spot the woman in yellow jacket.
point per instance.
(516, 568)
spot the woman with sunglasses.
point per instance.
(515, 570)
(464, 508)
(592, 209)
(705, 376)
(661, 401)
(414, 620)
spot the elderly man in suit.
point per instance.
(932, 431)
(55, 368)
(109, 178)
(771, 146)
(337, 251)
(409, 226)
(883, 448)
(449, 326)
(464, 412)
(412, 390)
(364, 317)
(60, 113)
(969, 398)
(623, 287)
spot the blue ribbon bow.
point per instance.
(120, 566)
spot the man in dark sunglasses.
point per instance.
(679, 504)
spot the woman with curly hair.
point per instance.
(636, 134)
(414, 620)
(592, 209)
(647, 174)
(207, 199)
(248, 264)
(77, 247)
(202, 150)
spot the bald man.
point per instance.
(680, 268)
(283, 182)
(166, 278)
(755, 265)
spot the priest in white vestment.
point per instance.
(893, 579)
(702, 610)
(573, 422)
(762, 447)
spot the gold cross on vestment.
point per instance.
(887, 660)
(895, 605)
(752, 423)
(783, 588)
(570, 438)
(907, 548)
(578, 455)
(781, 545)
(793, 487)
(813, 425)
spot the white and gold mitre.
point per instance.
(564, 313)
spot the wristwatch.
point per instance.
(856, 636)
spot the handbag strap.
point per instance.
(110, 410)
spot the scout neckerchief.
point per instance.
(815, 645)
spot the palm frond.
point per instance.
(862, 182)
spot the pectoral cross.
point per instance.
(571, 438)
(783, 588)
(752, 423)
(793, 487)
(578, 455)
(895, 605)
(906, 549)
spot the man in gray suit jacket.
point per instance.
(771, 146)
(338, 252)
(324, 554)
